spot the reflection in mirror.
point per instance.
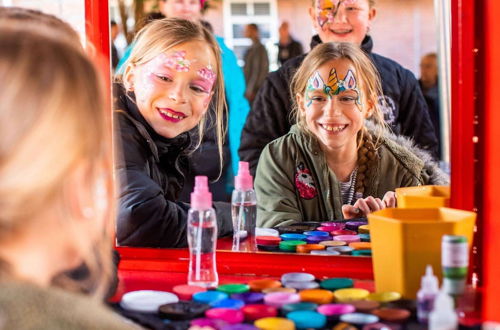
(401, 31)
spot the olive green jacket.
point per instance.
(294, 183)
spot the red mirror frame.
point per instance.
(475, 150)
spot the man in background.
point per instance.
(287, 46)
(256, 62)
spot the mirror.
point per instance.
(411, 26)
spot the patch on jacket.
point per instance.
(304, 182)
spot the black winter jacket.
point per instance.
(405, 109)
(149, 172)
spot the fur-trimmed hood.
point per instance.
(411, 156)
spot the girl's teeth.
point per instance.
(334, 128)
(171, 115)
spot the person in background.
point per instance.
(429, 84)
(57, 205)
(334, 163)
(287, 46)
(114, 52)
(256, 62)
(161, 104)
(403, 105)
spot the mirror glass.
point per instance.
(408, 32)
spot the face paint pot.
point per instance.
(182, 310)
(307, 319)
(228, 315)
(302, 285)
(333, 243)
(346, 250)
(359, 319)
(316, 233)
(352, 294)
(337, 225)
(363, 253)
(347, 238)
(343, 232)
(241, 326)
(317, 239)
(209, 297)
(364, 229)
(365, 237)
(267, 240)
(206, 322)
(336, 309)
(301, 306)
(185, 292)
(249, 297)
(290, 246)
(274, 323)
(229, 303)
(384, 297)
(262, 284)
(146, 301)
(365, 306)
(361, 245)
(278, 299)
(396, 315)
(287, 290)
(266, 232)
(233, 288)
(354, 225)
(317, 296)
(324, 253)
(327, 228)
(297, 277)
(293, 237)
(337, 283)
(254, 312)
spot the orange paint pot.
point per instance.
(333, 243)
(266, 283)
(306, 248)
(361, 245)
(317, 296)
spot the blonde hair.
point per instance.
(370, 2)
(161, 35)
(369, 83)
(52, 121)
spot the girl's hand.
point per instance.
(389, 199)
(362, 207)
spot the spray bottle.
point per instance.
(202, 236)
(244, 210)
(429, 288)
(443, 316)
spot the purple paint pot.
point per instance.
(206, 322)
(337, 225)
(347, 238)
(353, 225)
(249, 297)
(315, 233)
(240, 326)
(278, 299)
(317, 239)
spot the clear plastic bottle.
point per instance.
(429, 288)
(244, 210)
(443, 316)
(202, 236)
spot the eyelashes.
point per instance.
(193, 87)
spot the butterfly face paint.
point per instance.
(178, 61)
(327, 10)
(333, 86)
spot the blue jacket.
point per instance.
(234, 83)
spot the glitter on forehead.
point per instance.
(207, 73)
(178, 61)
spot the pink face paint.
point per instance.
(178, 61)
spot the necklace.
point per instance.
(352, 185)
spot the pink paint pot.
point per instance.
(337, 225)
(336, 309)
(343, 232)
(278, 299)
(229, 315)
(327, 228)
(347, 238)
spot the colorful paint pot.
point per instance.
(146, 301)
(396, 315)
(352, 294)
(354, 225)
(307, 319)
(254, 312)
(332, 243)
(336, 283)
(233, 288)
(316, 233)
(341, 249)
(287, 290)
(302, 285)
(324, 253)
(241, 326)
(384, 297)
(266, 232)
(278, 299)
(359, 318)
(365, 237)
(306, 248)
(262, 284)
(365, 306)
(343, 232)
(317, 296)
(337, 225)
(336, 309)
(206, 322)
(267, 240)
(229, 315)
(209, 297)
(328, 229)
(249, 297)
(229, 303)
(185, 292)
(297, 277)
(301, 306)
(364, 229)
(347, 238)
(293, 237)
(361, 245)
(317, 239)
(365, 253)
(290, 246)
(182, 310)
(274, 323)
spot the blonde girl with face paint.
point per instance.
(339, 160)
(170, 79)
(56, 191)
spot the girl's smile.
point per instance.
(173, 89)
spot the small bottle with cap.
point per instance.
(429, 288)
(202, 236)
(443, 315)
(244, 210)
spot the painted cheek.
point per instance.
(147, 86)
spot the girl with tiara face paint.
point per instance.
(171, 77)
(339, 160)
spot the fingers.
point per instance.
(350, 211)
(369, 204)
(390, 199)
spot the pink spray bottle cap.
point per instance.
(243, 181)
(201, 198)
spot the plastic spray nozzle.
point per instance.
(243, 180)
(429, 282)
(201, 197)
